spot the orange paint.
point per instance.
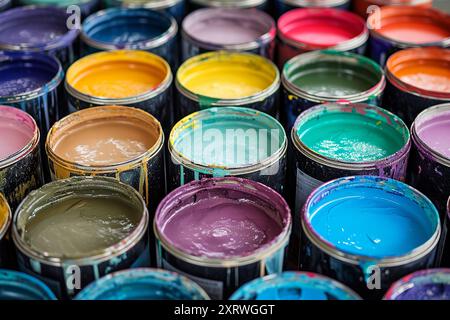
(360, 6)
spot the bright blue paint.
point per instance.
(20, 286)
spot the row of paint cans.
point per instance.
(39, 29)
(328, 76)
(367, 7)
(222, 233)
(213, 29)
(71, 232)
(282, 6)
(367, 232)
(417, 78)
(20, 286)
(5, 222)
(86, 7)
(303, 30)
(395, 28)
(222, 79)
(132, 29)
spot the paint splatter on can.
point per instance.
(230, 141)
(132, 29)
(417, 78)
(68, 250)
(328, 76)
(294, 286)
(222, 79)
(5, 4)
(226, 4)
(282, 6)
(222, 233)
(20, 159)
(87, 7)
(363, 7)
(397, 27)
(367, 232)
(138, 79)
(143, 284)
(211, 29)
(20, 286)
(303, 30)
(432, 284)
(5, 222)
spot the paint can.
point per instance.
(243, 236)
(223, 4)
(328, 76)
(417, 79)
(87, 7)
(361, 7)
(212, 29)
(282, 6)
(311, 29)
(68, 250)
(367, 232)
(5, 222)
(222, 79)
(120, 142)
(231, 141)
(20, 286)
(5, 4)
(143, 284)
(432, 284)
(294, 286)
(445, 258)
(397, 27)
(138, 79)
(39, 29)
(20, 159)
(132, 29)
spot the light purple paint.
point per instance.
(434, 130)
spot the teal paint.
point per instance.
(20, 286)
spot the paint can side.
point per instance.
(445, 260)
(5, 5)
(20, 286)
(282, 6)
(87, 7)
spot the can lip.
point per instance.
(18, 278)
(329, 13)
(265, 37)
(229, 262)
(312, 3)
(96, 288)
(107, 253)
(353, 259)
(399, 2)
(95, 20)
(5, 226)
(333, 56)
(230, 3)
(154, 4)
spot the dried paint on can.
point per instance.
(5, 222)
(87, 7)
(363, 7)
(294, 286)
(20, 286)
(398, 27)
(303, 30)
(222, 233)
(417, 79)
(143, 284)
(222, 79)
(282, 6)
(328, 76)
(212, 29)
(231, 141)
(131, 29)
(71, 232)
(367, 232)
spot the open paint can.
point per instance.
(20, 286)
(294, 286)
(143, 284)
(71, 232)
(366, 7)
(5, 222)
(222, 79)
(213, 29)
(367, 232)
(282, 6)
(222, 233)
(231, 141)
(86, 7)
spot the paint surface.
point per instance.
(20, 286)
(432, 284)
(435, 132)
(414, 31)
(118, 74)
(16, 131)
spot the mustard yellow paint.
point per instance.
(4, 212)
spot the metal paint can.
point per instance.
(222, 79)
(220, 273)
(143, 284)
(20, 286)
(328, 76)
(445, 259)
(311, 29)
(362, 247)
(394, 28)
(282, 6)
(432, 284)
(5, 222)
(131, 29)
(67, 271)
(138, 79)
(417, 79)
(212, 29)
(39, 29)
(241, 4)
(294, 286)
(87, 7)
(231, 141)
(361, 7)
(20, 165)
(5, 4)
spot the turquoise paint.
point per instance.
(20, 286)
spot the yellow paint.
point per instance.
(118, 74)
(4, 212)
(224, 75)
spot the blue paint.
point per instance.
(371, 216)
(294, 286)
(20, 286)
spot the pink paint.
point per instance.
(434, 130)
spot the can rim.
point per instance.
(155, 4)
(312, 3)
(43, 289)
(232, 3)
(5, 227)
